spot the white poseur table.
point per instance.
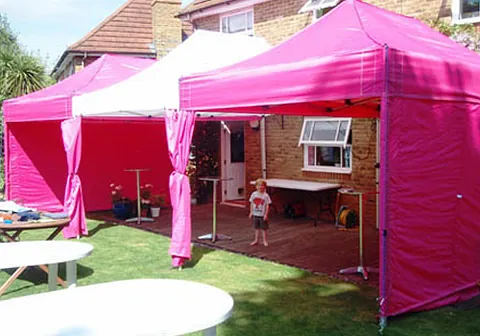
(34, 253)
(214, 236)
(132, 307)
(360, 268)
(139, 219)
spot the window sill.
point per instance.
(466, 21)
(328, 170)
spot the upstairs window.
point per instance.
(318, 7)
(470, 9)
(238, 23)
(466, 11)
(327, 144)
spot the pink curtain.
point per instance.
(179, 125)
(72, 140)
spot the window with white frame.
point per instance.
(467, 11)
(318, 7)
(238, 23)
(327, 144)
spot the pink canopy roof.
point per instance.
(340, 57)
(54, 102)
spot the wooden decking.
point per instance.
(321, 249)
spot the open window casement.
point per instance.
(326, 132)
(456, 4)
(314, 5)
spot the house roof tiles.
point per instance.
(128, 30)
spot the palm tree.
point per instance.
(20, 74)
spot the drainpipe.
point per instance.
(83, 60)
(263, 148)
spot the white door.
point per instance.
(233, 161)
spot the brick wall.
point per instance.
(90, 59)
(81, 62)
(424, 9)
(167, 28)
(277, 20)
(187, 29)
(78, 64)
(208, 23)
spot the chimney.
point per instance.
(167, 28)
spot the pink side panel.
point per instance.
(421, 76)
(433, 238)
(180, 125)
(110, 147)
(382, 211)
(72, 140)
(467, 239)
(36, 167)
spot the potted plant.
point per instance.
(145, 199)
(121, 206)
(157, 202)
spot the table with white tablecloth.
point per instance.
(122, 308)
(322, 192)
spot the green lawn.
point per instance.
(270, 299)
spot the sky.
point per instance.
(48, 27)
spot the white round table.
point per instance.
(132, 307)
(32, 253)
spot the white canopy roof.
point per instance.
(156, 88)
